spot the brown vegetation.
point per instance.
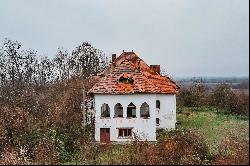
(41, 116)
(232, 152)
(222, 96)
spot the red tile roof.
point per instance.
(130, 74)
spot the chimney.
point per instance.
(156, 68)
(113, 58)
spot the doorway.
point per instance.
(105, 135)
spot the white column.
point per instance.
(111, 106)
(138, 105)
(124, 105)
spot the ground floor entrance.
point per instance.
(105, 135)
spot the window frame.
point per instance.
(125, 133)
(157, 120)
(145, 105)
(158, 104)
(106, 112)
(119, 105)
(131, 106)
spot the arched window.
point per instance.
(131, 110)
(158, 104)
(105, 110)
(144, 110)
(118, 110)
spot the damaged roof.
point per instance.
(129, 74)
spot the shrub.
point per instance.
(232, 152)
(193, 96)
(223, 97)
(3, 132)
(16, 122)
(65, 145)
(183, 147)
(137, 153)
(89, 152)
(67, 114)
(45, 152)
(173, 147)
(12, 156)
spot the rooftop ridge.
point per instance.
(144, 79)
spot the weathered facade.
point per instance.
(132, 100)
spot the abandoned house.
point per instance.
(132, 99)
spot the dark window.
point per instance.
(131, 111)
(105, 110)
(157, 121)
(129, 132)
(120, 133)
(125, 133)
(144, 110)
(158, 104)
(118, 110)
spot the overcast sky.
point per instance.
(186, 37)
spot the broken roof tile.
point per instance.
(129, 65)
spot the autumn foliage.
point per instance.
(41, 116)
(222, 96)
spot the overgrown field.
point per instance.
(214, 124)
(203, 136)
(41, 116)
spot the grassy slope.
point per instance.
(213, 124)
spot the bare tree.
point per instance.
(29, 68)
(17, 65)
(61, 64)
(87, 60)
(13, 54)
(3, 67)
(45, 70)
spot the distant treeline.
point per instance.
(222, 96)
(237, 82)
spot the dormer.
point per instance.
(125, 79)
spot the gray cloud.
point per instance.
(186, 37)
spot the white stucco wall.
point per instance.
(167, 112)
(144, 128)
